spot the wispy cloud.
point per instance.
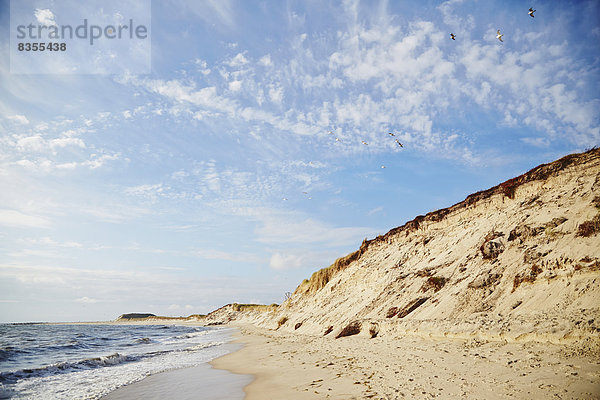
(20, 119)
(86, 300)
(17, 219)
(47, 241)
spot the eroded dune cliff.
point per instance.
(517, 262)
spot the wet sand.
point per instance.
(196, 383)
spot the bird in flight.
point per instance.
(365, 143)
(399, 144)
(452, 36)
(383, 166)
(499, 35)
(391, 134)
(531, 11)
(337, 140)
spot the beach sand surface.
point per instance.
(292, 366)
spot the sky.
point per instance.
(234, 167)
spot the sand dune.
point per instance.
(496, 296)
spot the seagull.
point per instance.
(452, 36)
(284, 199)
(499, 35)
(329, 132)
(531, 11)
(391, 134)
(399, 144)
(383, 166)
(365, 143)
(337, 140)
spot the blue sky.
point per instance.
(214, 178)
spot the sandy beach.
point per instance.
(291, 366)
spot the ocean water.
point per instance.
(40, 361)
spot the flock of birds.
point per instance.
(337, 139)
(498, 34)
(453, 37)
(366, 144)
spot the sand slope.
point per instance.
(506, 264)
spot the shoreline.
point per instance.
(296, 367)
(186, 383)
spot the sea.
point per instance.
(47, 361)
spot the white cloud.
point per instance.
(86, 300)
(66, 141)
(265, 61)
(285, 261)
(301, 258)
(202, 66)
(235, 86)
(212, 254)
(45, 17)
(238, 61)
(276, 94)
(47, 241)
(21, 119)
(375, 211)
(31, 143)
(286, 229)
(17, 219)
(151, 192)
(536, 141)
(98, 160)
(114, 213)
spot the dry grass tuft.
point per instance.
(392, 312)
(529, 277)
(412, 306)
(509, 187)
(589, 228)
(374, 330)
(352, 329)
(281, 321)
(425, 272)
(434, 282)
(253, 307)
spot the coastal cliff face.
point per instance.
(517, 262)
